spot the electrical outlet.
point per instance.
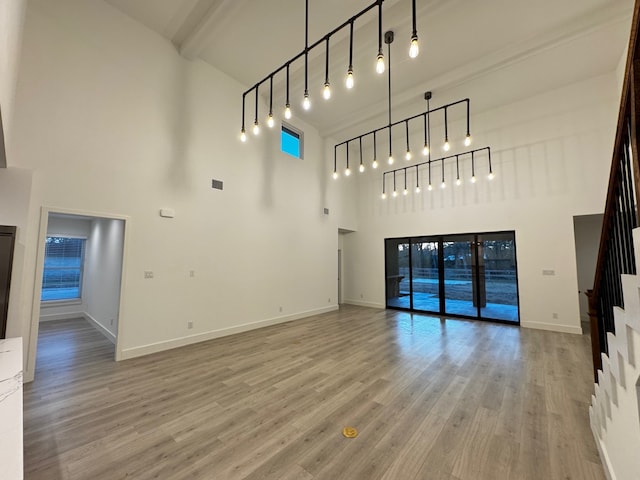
(148, 274)
(280, 307)
(329, 300)
(189, 324)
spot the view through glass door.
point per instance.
(470, 275)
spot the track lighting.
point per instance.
(414, 49)
(417, 180)
(395, 192)
(270, 121)
(256, 128)
(347, 171)
(390, 160)
(446, 147)
(467, 140)
(243, 135)
(384, 193)
(361, 167)
(349, 82)
(491, 175)
(335, 163)
(335, 175)
(306, 103)
(388, 39)
(380, 64)
(458, 181)
(326, 91)
(425, 150)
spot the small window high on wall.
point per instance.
(63, 264)
(292, 141)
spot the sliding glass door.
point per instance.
(471, 275)
(425, 274)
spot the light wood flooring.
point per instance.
(432, 399)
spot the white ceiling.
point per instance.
(460, 40)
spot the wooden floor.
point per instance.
(431, 399)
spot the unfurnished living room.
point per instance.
(298, 240)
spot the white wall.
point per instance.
(11, 23)
(551, 158)
(103, 269)
(126, 126)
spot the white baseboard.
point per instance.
(552, 327)
(360, 303)
(99, 327)
(223, 332)
(61, 316)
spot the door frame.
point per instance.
(37, 284)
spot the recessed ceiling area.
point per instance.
(459, 41)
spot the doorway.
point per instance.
(80, 271)
(586, 230)
(469, 275)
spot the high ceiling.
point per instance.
(460, 40)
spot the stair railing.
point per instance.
(616, 254)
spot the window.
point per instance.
(292, 141)
(63, 262)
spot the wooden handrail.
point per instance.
(628, 114)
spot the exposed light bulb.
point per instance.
(443, 185)
(384, 196)
(361, 168)
(458, 182)
(405, 191)
(306, 103)
(414, 48)
(287, 111)
(408, 156)
(446, 147)
(326, 91)
(395, 194)
(256, 128)
(270, 121)
(467, 140)
(380, 63)
(425, 150)
(335, 175)
(418, 190)
(491, 176)
(347, 172)
(375, 163)
(390, 160)
(243, 136)
(349, 81)
(430, 187)
(473, 179)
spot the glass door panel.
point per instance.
(459, 271)
(425, 275)
(497, 276)
(398, 282)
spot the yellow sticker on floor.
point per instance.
(349, 432)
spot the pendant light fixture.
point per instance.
(395, 192)
(306, 103)
(347, 170)
(326, 91)
(287, 105)
(270, 120)
(256, 125)
(349, 82)
(388, 39)
(335, 162)
(381, 65)
(361, 168)
(414, 49)
(428, 164)
(380, 60)
(375, 152)
(426, 122)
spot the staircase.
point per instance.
(615, 406)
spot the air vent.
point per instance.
(217, 184)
